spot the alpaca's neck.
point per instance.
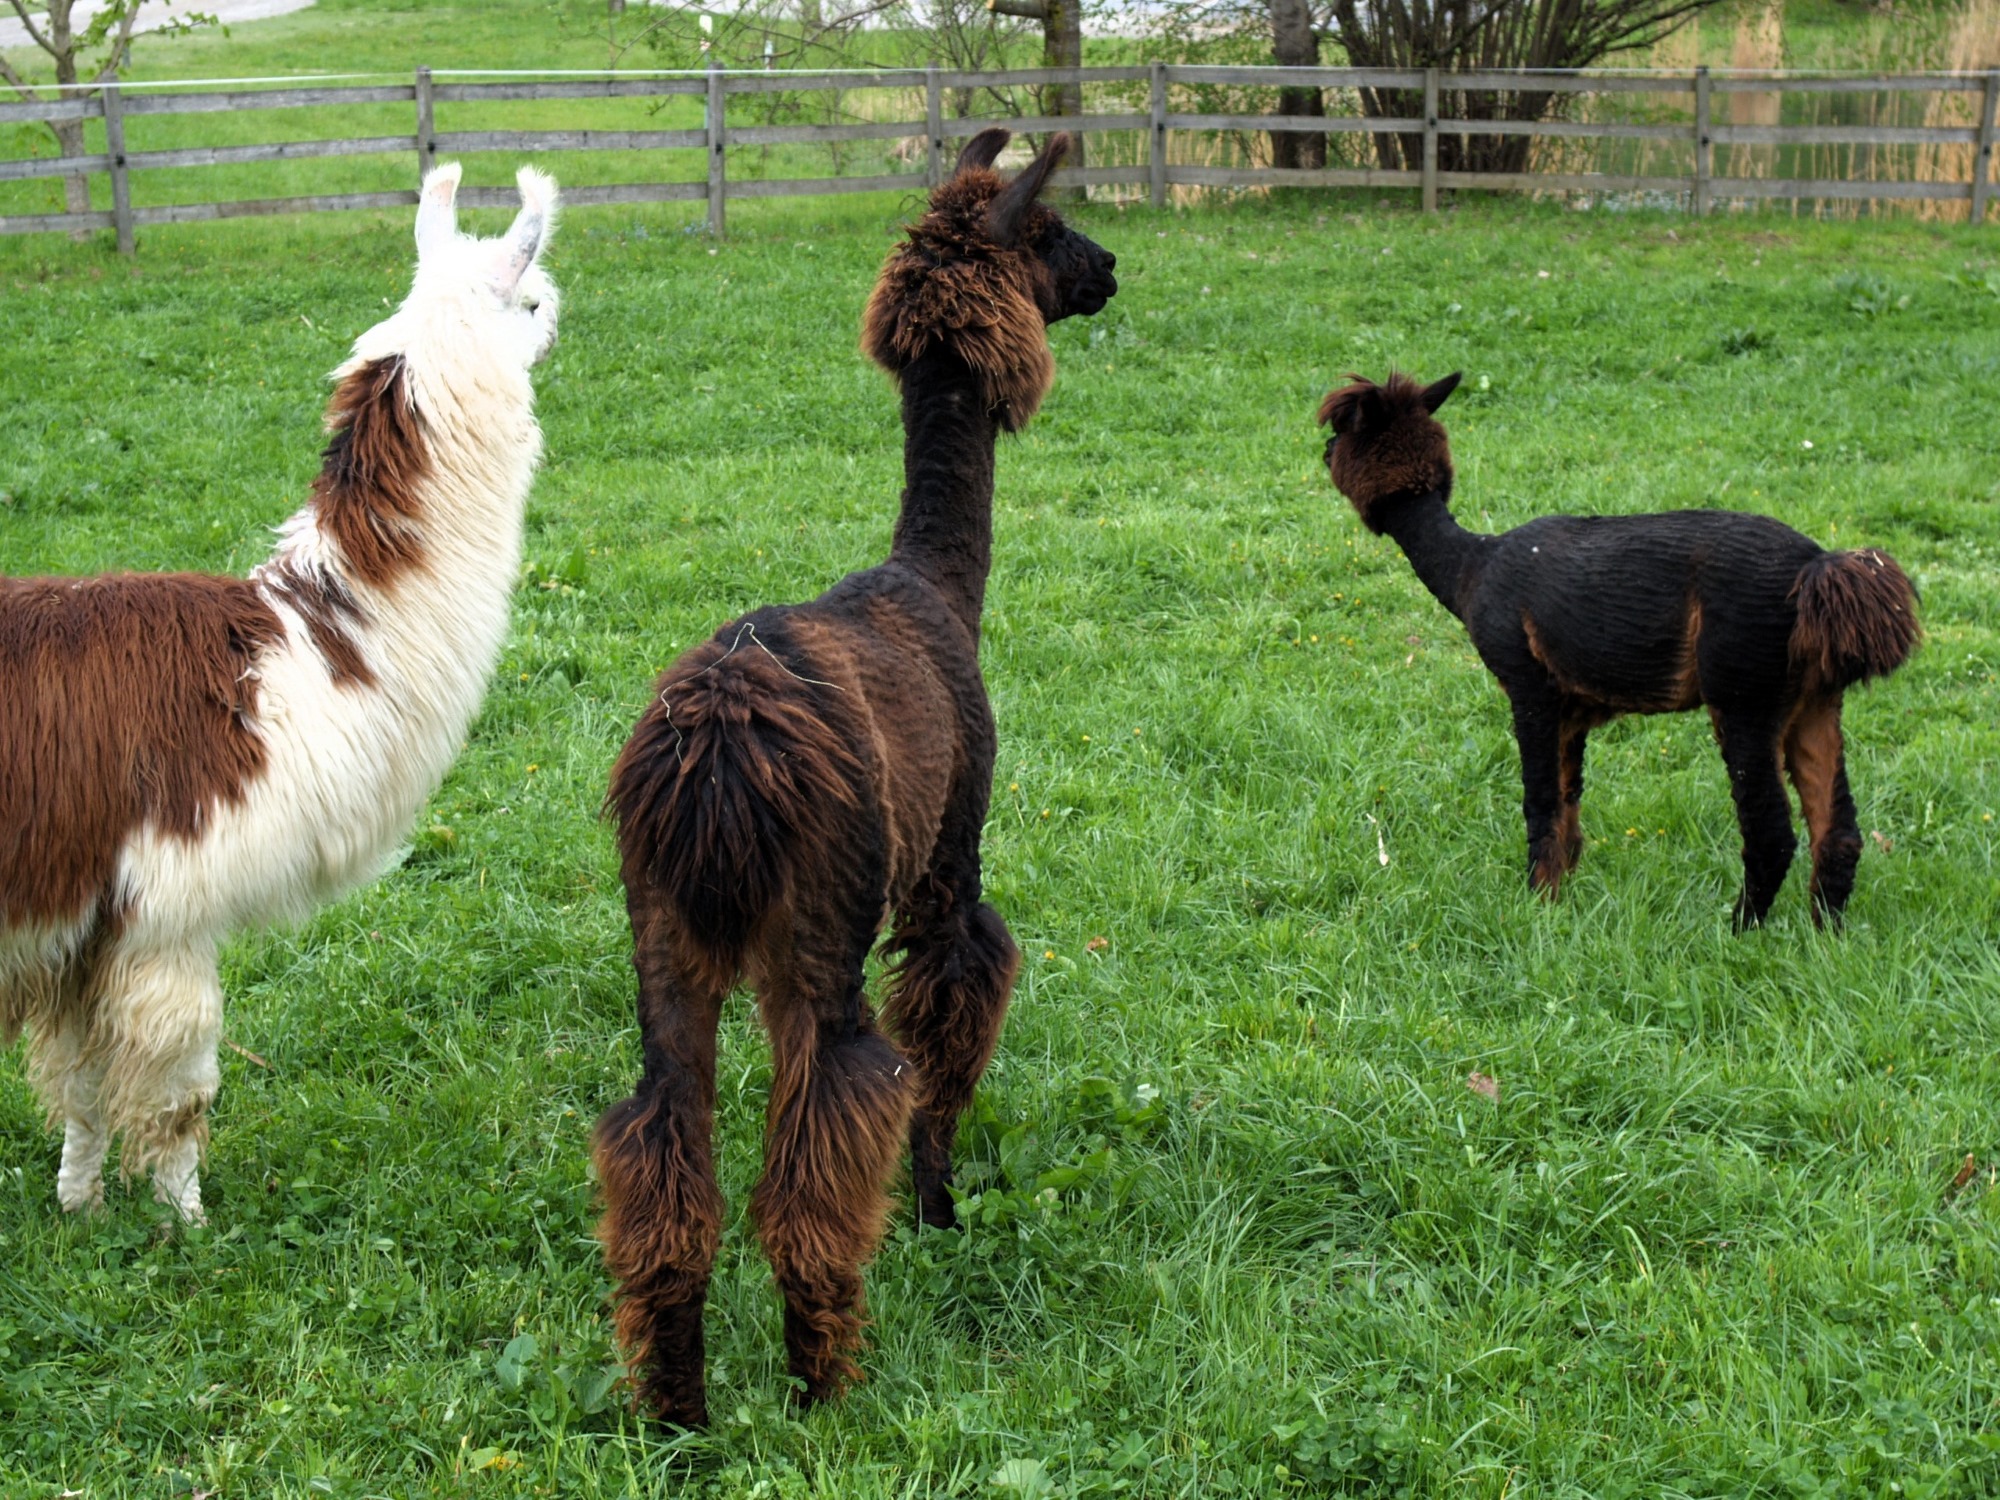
(945, 530)
(1446, 556)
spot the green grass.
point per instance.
(1237, 1224)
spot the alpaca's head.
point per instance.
(483, 306)
(1387, 446)
(983, 273)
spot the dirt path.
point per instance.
(155, 15)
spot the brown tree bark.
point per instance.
(1294, 44)
(1062, 47)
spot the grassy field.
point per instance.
(1235, 1222)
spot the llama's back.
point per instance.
(131, 706)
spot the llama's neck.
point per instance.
(945, 530)
(1447, 557)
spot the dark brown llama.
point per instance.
(810, 775)
(1585, 618)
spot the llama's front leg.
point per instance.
(164, 1011)
(662, 1208)
(1750, 751)
(72, 1085)
(840, 1103)
(1818, 764)
(1538, 732)
(950, 997)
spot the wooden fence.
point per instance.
(1156, 174)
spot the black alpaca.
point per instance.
(1585, 618)
(809, 775)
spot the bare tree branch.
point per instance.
(34, 35)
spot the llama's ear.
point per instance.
(983, 150)
(529, 234)
(1003, 219)
(437, 211)
(1437, 390)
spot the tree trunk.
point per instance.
(1295, 45)
(1062, 47)
(615, 7)
(69, 142)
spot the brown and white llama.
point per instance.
(182, 756)
(811, 775)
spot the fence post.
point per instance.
(121, 183)
(1982, 154)
(1704, 163)
(426, 127)
(1156, 147)
(715, 144)
(1430, 140)
(934, 117)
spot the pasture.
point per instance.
(1235, 1223)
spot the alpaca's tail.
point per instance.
(1857, 617)
(736, 771)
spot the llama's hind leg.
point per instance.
(1818, 765)
(947, 1006)
(840, 1104)
(164, 1008)
(1750, 751)
(663, 1212)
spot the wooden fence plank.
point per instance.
(1704, 151)
(1842, 135)
(55, 109)
(224, 156)
(861, 130)
(233, 103)
(785, 83)
(806, 187)
(620, 88)
(593, 196)
(52, 166)
(1542, 81)
(1430, 193)
(1779, 187)
(933, 128)
(1002, 77)
(1156, 159)
(1304, 124)
(1583, 129)
(572, 140)
(53, 223)
(190, 213)
(1916, 83)
(1325, 78)
(426, 126)
(1038, 124)
(1298, 177)
(1579, 182)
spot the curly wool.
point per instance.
(950, 285)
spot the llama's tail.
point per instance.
(1857, 617)
(736, 770)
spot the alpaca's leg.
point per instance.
(663, 1212)
(1750, 751)
(840, 1104)
(74, 1087)
(948, 1000)
(1569, 826)
(1818, 766)
(1538, 732)
(162, 1009)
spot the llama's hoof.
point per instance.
(1745, 916)
(85, 1201)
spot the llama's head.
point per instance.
(983, 273)
(1387, 446)
(479, 305)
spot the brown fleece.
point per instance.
(1386, 445)
(367, 496)
(951, 285)
(1857, 617)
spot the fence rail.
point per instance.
(116, 104)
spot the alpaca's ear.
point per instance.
(983, 150)
(1352, 408)
(1003, 219)
(1435, 392)
(531, 228)
(437, 211)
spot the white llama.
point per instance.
(182, 756)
